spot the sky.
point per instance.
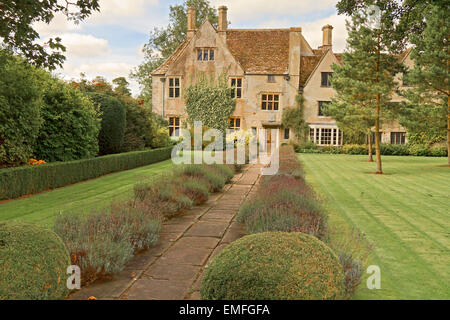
(109, 43)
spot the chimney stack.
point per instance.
(191, 22)
(327, 36)
(223, 19)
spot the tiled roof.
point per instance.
(307, 66)
(263, 51)
(165, 66)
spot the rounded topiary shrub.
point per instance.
(274, 266)
(33, 263)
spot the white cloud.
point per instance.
(57, 26)
(84, 46)
(136, 14)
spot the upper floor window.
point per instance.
(326, 79)
(322, 108)
(174, 126)
(236, 88)
(174, 87)
(235, 123)
(398, 138)
(205, 55)
(287, 132)
(271, 78)
(270, 101)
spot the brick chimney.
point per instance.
(327, 36)
(223, 18)
(191, 22)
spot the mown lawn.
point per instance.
(405, 212)
(96, 193)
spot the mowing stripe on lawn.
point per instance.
(414, 249)
(97, 193)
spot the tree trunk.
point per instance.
(370, 147)
(377, 136)
(377, 120)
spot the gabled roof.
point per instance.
(261, 51)
(165, 66)
(308, 64)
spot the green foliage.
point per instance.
(163, 42)
(215, 178)
(101, 243)
(16, 182)
(122, 87)
(70, 124)
(364, 82)
(19, 18)
(33, 263)
(410, 149)
(139, 127)
(428, 110)
(20, 98)
(210, 102)
(274, 266)
(113, 125)
(294, 119)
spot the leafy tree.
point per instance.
(122, 87)
(20, 99)
(138, 133)
(368, 69)
(113, 124)
(18, 33)
(353, 118)
(210, 102)
(406, 14)
(71, 124)
(163, 42)
(294, 119)
(429, 100)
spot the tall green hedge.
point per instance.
(16, 182)
(113, 125)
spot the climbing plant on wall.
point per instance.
(209, 101)
(293, 118)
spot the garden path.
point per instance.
(173, 269)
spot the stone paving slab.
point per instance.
(162, 271)
(208, 229)
(151, 289)
(198, 242)
(182, 255)
(174, 267)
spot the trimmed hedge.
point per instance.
(274, 266)
(33, 263)
(386, 150)
(20, 181)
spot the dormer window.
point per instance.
(205, 55)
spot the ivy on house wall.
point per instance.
(209, 101)
(293, 118)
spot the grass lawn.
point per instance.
(99, 192)
(405, 212)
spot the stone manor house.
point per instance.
(267, 69)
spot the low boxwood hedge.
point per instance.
(386, 150)
(20, 181)
(33, 263)
(274, 266)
